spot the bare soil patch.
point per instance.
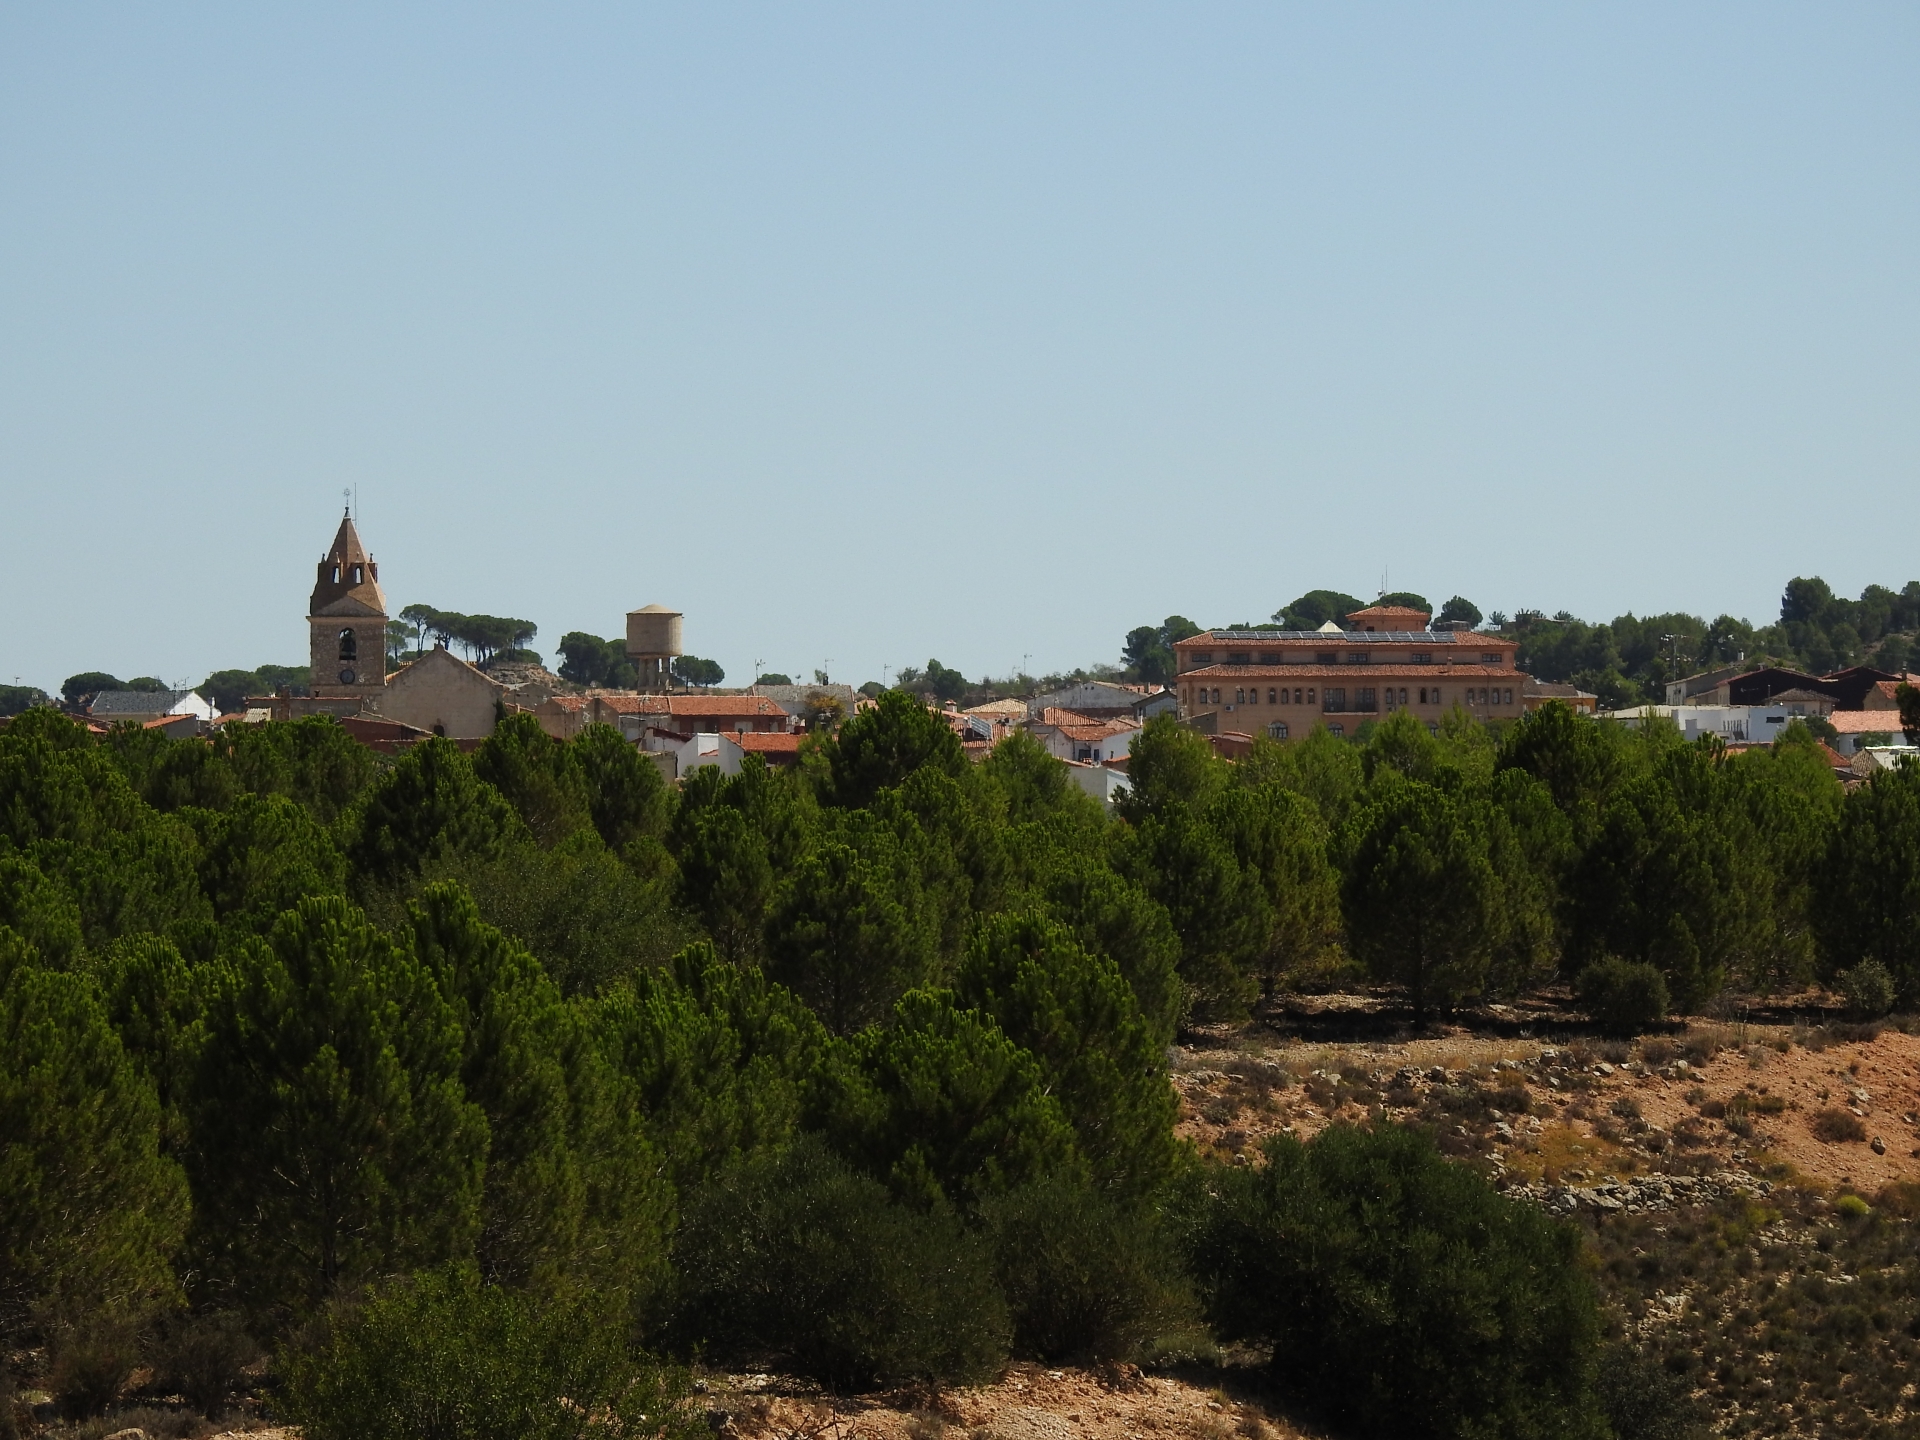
(1029, 1402)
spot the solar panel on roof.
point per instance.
(1345, 637)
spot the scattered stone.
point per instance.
(1602, 1069)
(1879, 1146)
(1634, 1197)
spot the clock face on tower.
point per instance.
(346, 677)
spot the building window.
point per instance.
(1508, 700)
(1336, 729)
(1358, 657)
(348, 646)
(1489, 659)
(1309, 694)
(1336, 700)
(1277, 730)
(1403, 695)
(1326, 657)
(1269, 658)
(1423, 659)
(1270, 694)
(1364, 700)
(1240, 697)
(1202, 657)
(1216, 696)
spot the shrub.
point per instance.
(204, 1358)
(444, 1357)
(1869, 989)
(91, 1364)
(1401, 1294)
(1621, 995)
(794, 1257)
(1643, 1400)
(1852, 1206)
(1086, 1276)
(1833, 1126)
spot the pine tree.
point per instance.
(332, 1140)
(1074, 1014)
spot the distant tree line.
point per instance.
(484, 638)
(1632, 658)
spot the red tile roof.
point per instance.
(776, 747)
(1098, 730)
(1861, 722)
(724, 705)
(768, 742)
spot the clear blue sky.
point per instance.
(979, 332)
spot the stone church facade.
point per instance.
(436, 694)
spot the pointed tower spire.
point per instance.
(347, 619)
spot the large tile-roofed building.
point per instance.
(1282, 683)
(636, 716)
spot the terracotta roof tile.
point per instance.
(1861, 722)
(768, 742)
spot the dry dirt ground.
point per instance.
(1751, 1098)
(1029, 1403)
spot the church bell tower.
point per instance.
(347, 620)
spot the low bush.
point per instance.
(442, 1356)
(1869, 988)
(794, 1258)
(204, 1357)
(1622, 996)
(1086, 1276)
(91, 1365)
(1401, 1294)
(1643, 1400)
(1658, 1052)
(1834, 1126)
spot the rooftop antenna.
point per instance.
(346, 498)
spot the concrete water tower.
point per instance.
(653, 642)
